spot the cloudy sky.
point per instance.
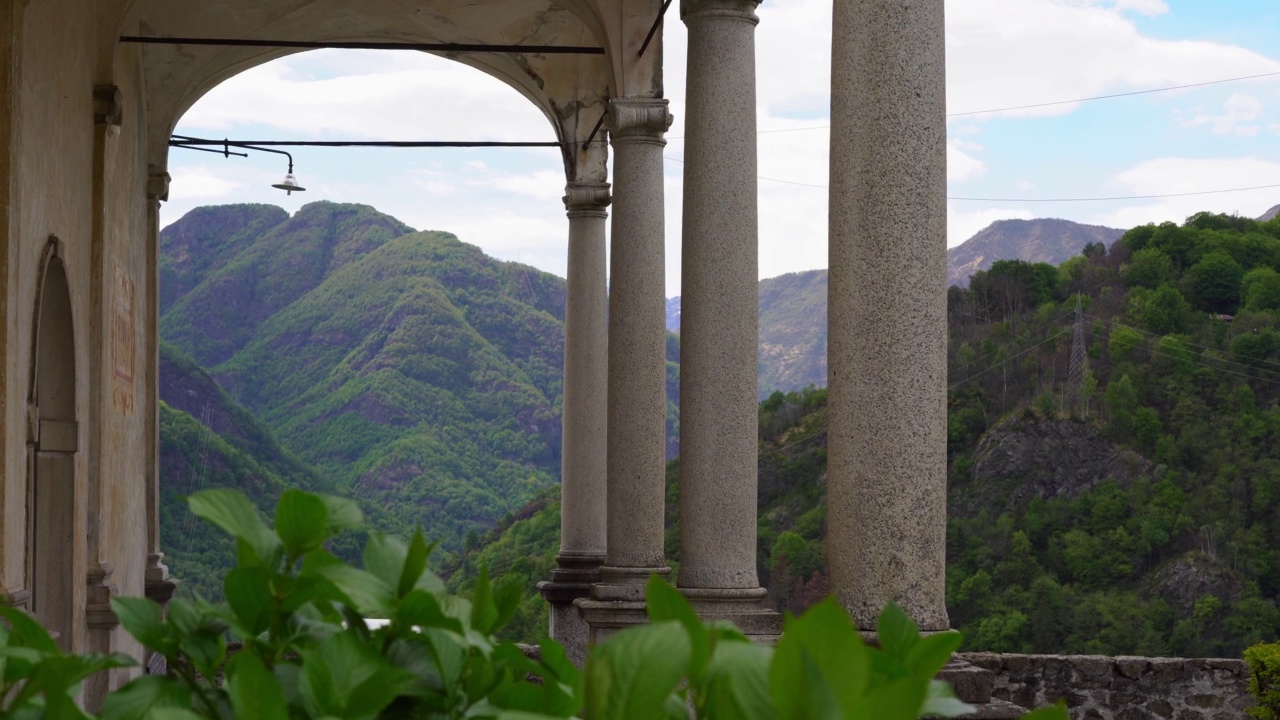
(1000, 54)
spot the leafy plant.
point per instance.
(1264, 679)
(309, 648)
(820, 669)
(37, 679)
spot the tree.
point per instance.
(1256, 348)
(1149, 268)
(1214, 283)
(1122, 403)
(1260, 289)
(1163, 310)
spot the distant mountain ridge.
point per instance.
(1047, 240)
(1273, 212)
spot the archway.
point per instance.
(52, 455)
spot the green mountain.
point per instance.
(208, 440)
(1129, 507)
(408, 369)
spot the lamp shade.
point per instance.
(289, 185)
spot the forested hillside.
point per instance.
(345, 351)
(408, 369)
(1134, 511)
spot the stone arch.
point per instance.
(562, 87)
(53, 442)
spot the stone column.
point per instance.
(718, 324)
(637, 368)
(158, 585)
(887, 333)
(583, 506)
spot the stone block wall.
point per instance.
(1095, 687)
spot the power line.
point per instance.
(1158, 336)
(1118, 197)
(1200, 363)
(1032, 106)
(1114, 95)
(1053, 200)
(1007, 360)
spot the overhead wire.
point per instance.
(1113, 323)
(1035, 200)
(1032, 106)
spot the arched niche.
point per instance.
(54, 442)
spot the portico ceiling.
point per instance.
(570, 89)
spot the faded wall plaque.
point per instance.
(124, 339)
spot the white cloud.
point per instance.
(1150, 8)
(1170, 175)
(1239, 113)
(200, 183)
(960, 164)
(1003, 53)
(963, 224)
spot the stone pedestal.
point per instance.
(887, 311)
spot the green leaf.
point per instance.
(423, 610)
(484, 613)
(302, 521)
(897, 632)
(254, 690)
(818, 653)
(363, 591)
(343, 514)
(142, 695)
(145, 622)
(384, 556)
(665, 603)
(631, 675)
(172, 713)
(563, 680)
(248, 591)
(1054, 712)
(932, 652)
(415, 563)
(942, 702)
(24, 630)
(736, 684)
(232, 511)
(507, 594)
(901, 699)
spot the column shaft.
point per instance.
(158, 585)
(719, 296)
(887, 335)
(583, 505)
(637, 351)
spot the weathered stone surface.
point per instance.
(1121, 688)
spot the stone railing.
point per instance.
(1122, 688)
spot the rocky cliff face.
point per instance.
(1027, 457)
(1270, 214)
(1041, 240)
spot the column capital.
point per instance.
(639, 119)
(587, 199)
(733, 9)
(158, 186)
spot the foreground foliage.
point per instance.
(308, 647)
(1264, 679)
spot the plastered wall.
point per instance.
(64, 175)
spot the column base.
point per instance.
(743, 607)
(617, 601)
(159, 586)
(570, 581)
